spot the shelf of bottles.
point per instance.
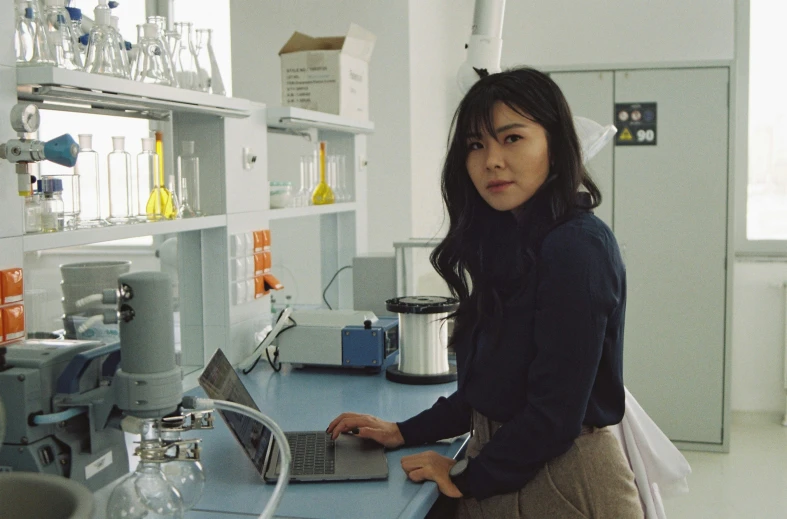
(312, 210)
(287, 119)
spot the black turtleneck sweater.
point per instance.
(558, 363)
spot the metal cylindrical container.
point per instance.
(423, 339)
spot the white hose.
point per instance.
(91, 299)
(89, 323)
(278, 434)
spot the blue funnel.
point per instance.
(62, 150)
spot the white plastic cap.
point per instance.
(149, 144)
(187, 147)
(150, 30)
(119, 143)
(85, 141)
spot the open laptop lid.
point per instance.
(221, 382)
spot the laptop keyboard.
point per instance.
(313, 453)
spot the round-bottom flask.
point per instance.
(145, 494)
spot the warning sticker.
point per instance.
(636, 123)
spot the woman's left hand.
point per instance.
(434, 467)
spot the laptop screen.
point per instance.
(221, 382)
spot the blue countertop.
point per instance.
(308, 400)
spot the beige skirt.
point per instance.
(591, 480)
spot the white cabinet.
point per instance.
(670, 210)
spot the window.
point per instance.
(766, 217)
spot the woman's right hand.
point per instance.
(367, 426)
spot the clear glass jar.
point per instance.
(32, 214)
(281, 194)
(52, 207)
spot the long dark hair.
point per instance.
(481, 258)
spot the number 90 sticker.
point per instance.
(636, 123)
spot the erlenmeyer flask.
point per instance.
(206, 60)
(187, 64)
(113, 24)
(23, 34)
(37, 50)
(103, 48)
(151, 65)
(62, 42)
(161, 23)
(76, 31)
(202, 60)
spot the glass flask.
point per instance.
(173, 208)
(145, 493)
(103, 47)
(161, 23)
(188, 181)
(303, 196)
(322, 194)
(119, 168)
(76, 31)
(52, 209)
(151, 65)
(32, 214)
(63, 43)
(31, 39)
(170, 211)
(149, 182)
(216, 83)
(187, 63)
(172, 39)
(89, 186)
(187, 476)
(114, 22)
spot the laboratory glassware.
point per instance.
(62, 42)
(149, 182)
(70, 199)
(322, 194)
(52, 209)
(170, 211)
(103, 48)
(186, 475)
(341, 179)
(89, 183)
(120, 188)
(145, 493)
(208, 65)
(151, 65)
(163, 30)
(77, 32)
(188, 181)
(187, 63)
(114, 25)
(31, 37)
(303, 195)
(32, 213)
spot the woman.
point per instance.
(539, 330)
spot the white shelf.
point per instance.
(56, 240)
(72, 89)
(292, 119)
(312, 210)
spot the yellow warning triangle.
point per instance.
(626, 135)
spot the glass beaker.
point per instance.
(208, 66)
(119, 172)
(188, 181)
(31, 39)
(151, 65)
(62, 41)
(187, 63)
(103, 47)
(89, 184)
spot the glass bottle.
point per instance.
(89, 184)
(151, 65)
(32, 213)
(114, 22)
(188, 181)
(33, 45)
(119, 169)
(103, 48)
(187, 64)
(205, 54)
(149, 182)
(52, 209)
(62, 42)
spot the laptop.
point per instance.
(315, 456)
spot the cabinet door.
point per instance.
(590, 95)
(671, 222)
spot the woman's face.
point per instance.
(508, 170)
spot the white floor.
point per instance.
(750, 482)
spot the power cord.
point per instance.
(272, 363)
(329, 285)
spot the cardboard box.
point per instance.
(328, 74)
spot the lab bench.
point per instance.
(308, 399)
